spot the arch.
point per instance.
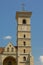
(24, 35)
(9, 61)
(8, 49)
(24, 58)
(24, 43)
(24, 50)
(12, 49)
(24, 21)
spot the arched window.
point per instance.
(24, 50)
(24, 43)
(8, 49)
(24, 21)
(24, 35)
(12, 49)
(24, 58)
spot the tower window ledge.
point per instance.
(24, 54)
(24, 62)
(25, 24)
(25, 46)
(25, 38)
(24, 31)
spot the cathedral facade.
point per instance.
(22, 53)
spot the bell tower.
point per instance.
(24, 38)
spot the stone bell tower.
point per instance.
(24, 55)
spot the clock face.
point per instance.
(24, 28)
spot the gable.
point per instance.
(9, 45)
(9, 48)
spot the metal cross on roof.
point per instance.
(23, 9)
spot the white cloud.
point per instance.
(41, 59)
(7, 37)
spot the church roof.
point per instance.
(2, 49)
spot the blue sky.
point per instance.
(8, 24)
